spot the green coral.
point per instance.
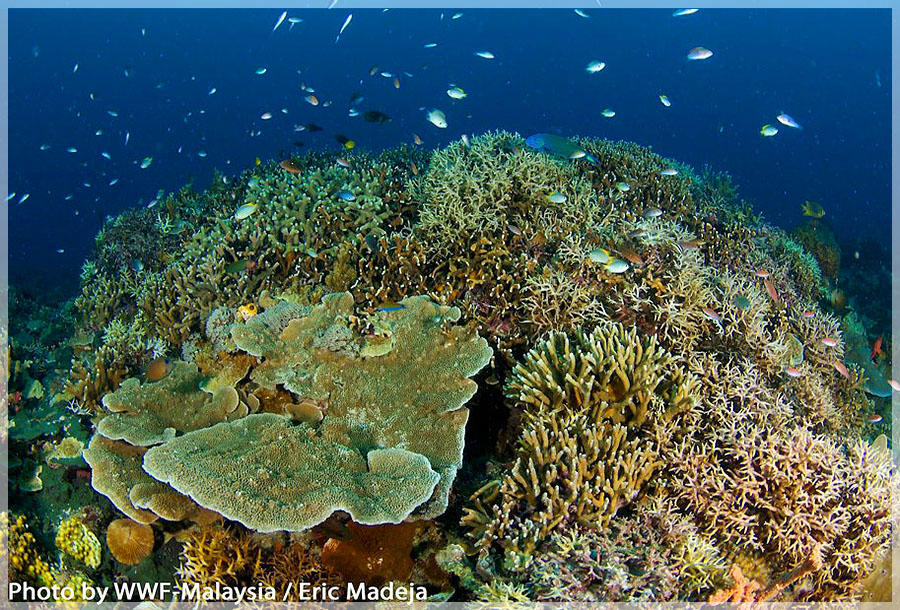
(153, 412)
(372, 400)
(270, 475)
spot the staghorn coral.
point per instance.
(216, 555)
(569, 470)
(582, 455)
(789, 494)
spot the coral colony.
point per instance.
(476, 373)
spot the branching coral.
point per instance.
(582, 455)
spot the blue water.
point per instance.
(830, 70)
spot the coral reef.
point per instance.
(691, 423)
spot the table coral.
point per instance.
(372, 401)
(270, 476)
(153, 412)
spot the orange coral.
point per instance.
(129, 542)
(374, 554)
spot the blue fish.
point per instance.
(390, 306)
(560, 146)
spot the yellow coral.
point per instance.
(24, 562)
(75, 539)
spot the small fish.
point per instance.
(762, 273)
(465, 140)
(652, 213)
(808, 314)
(895, 385)
(556, 197)
(668, 172)
(631, 255)
(617, 265)
(60, 251)
(840, 368)
(346, 195)
(312, 99)
(24, 198)
(768, 130)
(581, 13)
(99, 132)
(456, 93)
(146, 162)
(113, 181)
(294, 21)
(813, 209)
(253, 182)
(75, 69)
(787, 120)
(414, 168)
(390, 306)
(623, 187)
(770, 288)
(261, 70)
(874, 418)
(45, 147)
(375, 116)
(349, 144)
(595, 66)
(292, 166)
(637, 233)
(430, 45)
(599, 255)
(105, 155)
(876, 349)
(514, 229)
(793, 372)
(280, 19)
(127, 137)
(608, 113)
(699, 53)
(712, 314)
(157, 369)
(11, 196)
(247, 311)
(829, 342)
(578, 154)
(396, 84)
(436, 118)
(664, 100)
(685, 11)
(266, 116)
(485, 54)
(238, 266)
(137, 265)
(343, 162)
(201, 153)
(257, 162)
(741, 302)
(112, 113)
(456, 15)
(344, 27)
(372, 243)
(72, 149)
(245, 210)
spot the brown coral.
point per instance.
(128, 541)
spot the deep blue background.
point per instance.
(818, 66)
